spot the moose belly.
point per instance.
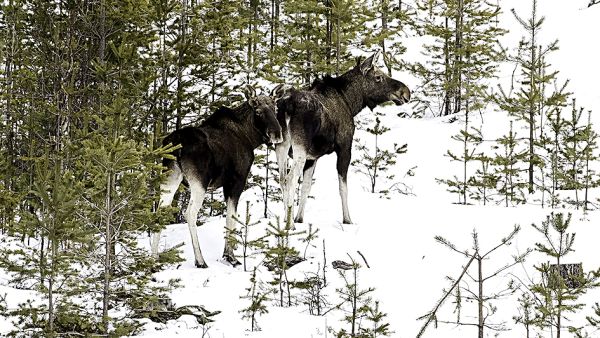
(320, 146)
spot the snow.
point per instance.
(407, 267)
(396, 235)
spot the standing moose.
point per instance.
(218, 153)
(320, 120)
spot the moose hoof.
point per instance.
(299, 219)
(201, 265)
(229, 258)
(347, 221)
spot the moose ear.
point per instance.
(369, 63)
(281, 91)
(249, 92)
(358, 60)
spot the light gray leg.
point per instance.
(168, 190)
(292, 180)
(305, 190)
(230, 225)
(344, 195)
(281, 151)
(197, 192)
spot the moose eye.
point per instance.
(379, 78)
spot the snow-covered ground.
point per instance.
(396, 235)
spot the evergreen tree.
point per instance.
(376, 162)
(470, 138)
(485, 180)
(480, 296)
(394, 20)
(280, 257)
(258, 295)
(508, 171)
(243, 237)
(574, 153)
(464, 47)
(557, 294)
(527, 104)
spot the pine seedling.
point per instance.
(527, 316)
(258, 296)
(485, 181)
(309, 236)
(356, 303)
(557, 294)
(281, 256)
(378, 328)
(250, 247)
(376, 162)
(470, 138)
(463, 291)
(508, 171)
(573, 155)
(590, 148)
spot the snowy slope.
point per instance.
(408, 268)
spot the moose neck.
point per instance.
(352, 94)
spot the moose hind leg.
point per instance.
(309, 169)
(168, 190)
(232, 193)
(197, 193)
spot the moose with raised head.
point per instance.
(320, 120)
(218, 153)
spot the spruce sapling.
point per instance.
(258, 296)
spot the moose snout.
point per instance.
(405, 94)
(276, 137)
(401, 96)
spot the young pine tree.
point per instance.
(479, 294)
(464, 46)
(507, 169)
(470, 138)
(529, 101)
(374, 163)
(258, 296)
(557, 294)
(574, 154)
(280, 257)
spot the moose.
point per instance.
(320, 120)
(218, 153)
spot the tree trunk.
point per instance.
(458, 67)
(108, 233)
(480, 324)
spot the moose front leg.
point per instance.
(343, 162)
(309, 169)
(290, 184)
